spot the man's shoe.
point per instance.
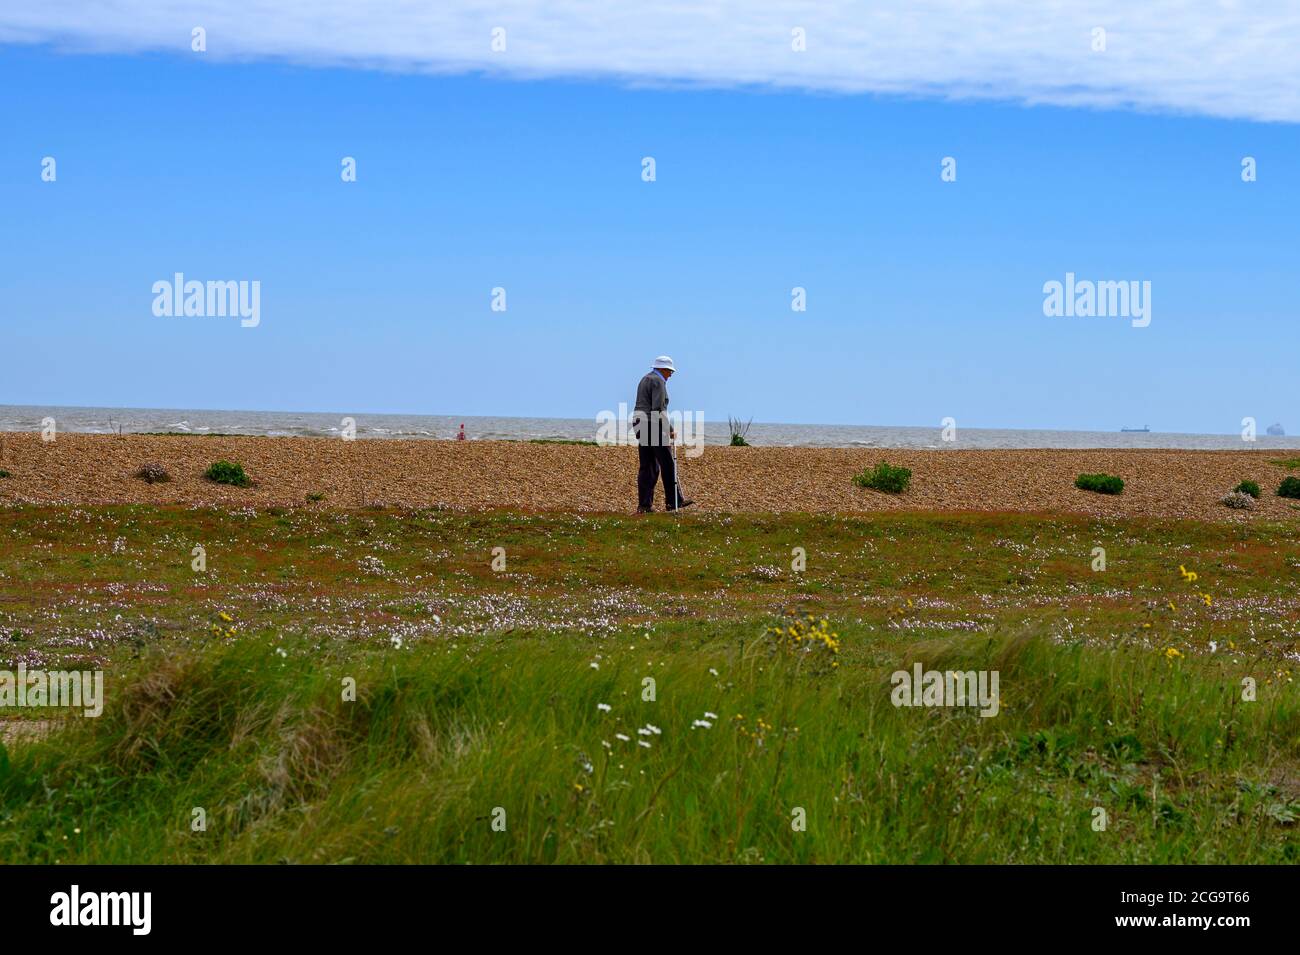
(645, 510)
(681, 504)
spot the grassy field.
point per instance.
(503, 715)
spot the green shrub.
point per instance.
(885, 478)
(1290, 487)
(1100, 483)
(4, 473)
(227, 472)
(315, 496)
(1248, 487)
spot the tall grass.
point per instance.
(443, 737)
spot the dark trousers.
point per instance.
(655, 459)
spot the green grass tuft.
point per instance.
(884, 477)
(227, 472)
(1100, 483)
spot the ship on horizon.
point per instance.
(1142, 430)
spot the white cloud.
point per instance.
(1217, 57)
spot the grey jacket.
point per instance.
(652, 394)
(648, 417)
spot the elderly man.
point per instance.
(650, 418)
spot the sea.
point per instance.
(446, 427)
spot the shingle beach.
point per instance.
(488, 475)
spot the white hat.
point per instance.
(663, 361)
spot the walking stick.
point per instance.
(677, 476)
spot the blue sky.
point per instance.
(924, 297)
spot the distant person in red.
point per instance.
(460, 436)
